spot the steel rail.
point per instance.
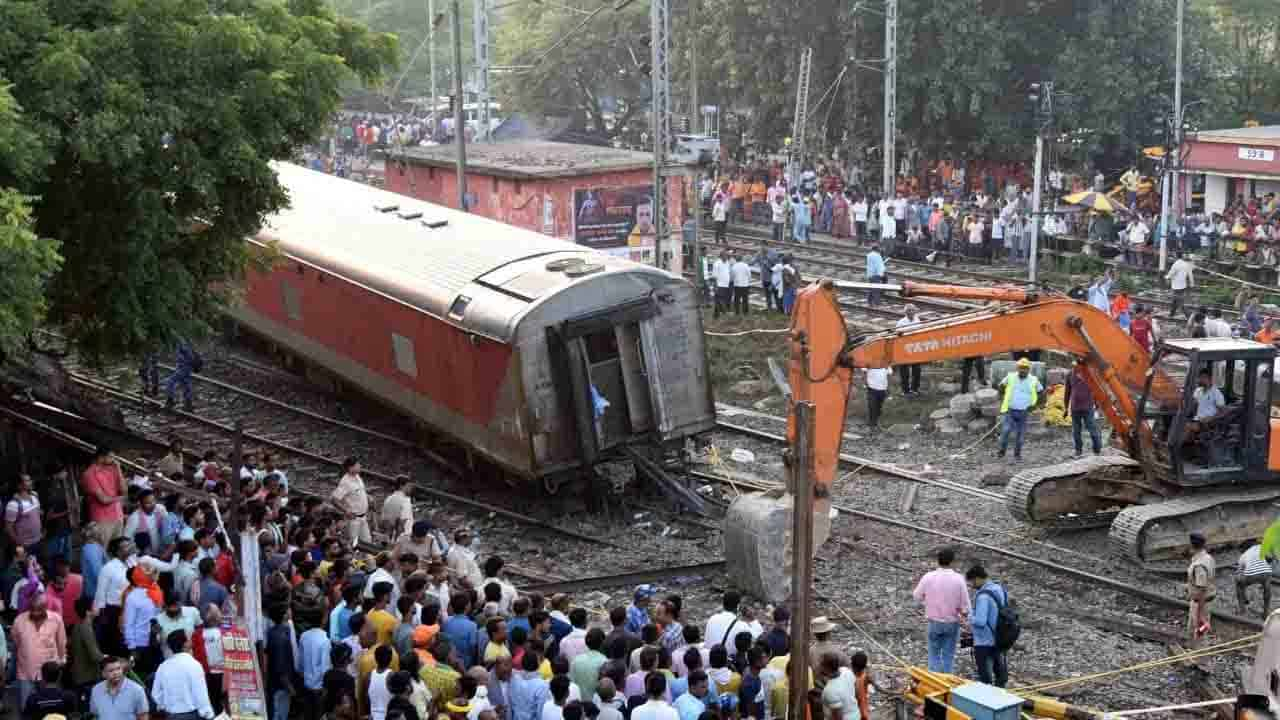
(627, 578)
(334, 462)
(1011, 554)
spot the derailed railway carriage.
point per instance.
(539, 356)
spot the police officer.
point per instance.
(184, 366)
(1200, 590)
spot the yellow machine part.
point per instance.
(937, 686)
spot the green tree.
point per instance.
(159, 119)
(28, 260)
(589, 77)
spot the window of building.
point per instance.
(406, 362)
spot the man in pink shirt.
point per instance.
(104, 488)
(946, 605)
(39, 637)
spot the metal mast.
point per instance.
(459, 117)
(890, 95)
(431, 53)
(802, 114)
(660, 42)
(481, 33)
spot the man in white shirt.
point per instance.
(723, 274)
(1138, 233)
(1252, 569)
(840, 691)
(655, 686)
(860, 219)
(1181, 277)
(397, 510)
(740, 275)
(877, 391)
(720, 214)
(179, 688)
(149, 518)
(352, 500)
(909, 375)
(462, 560)
(725, 625)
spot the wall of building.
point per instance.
(543, 205)
(1215, 193)
(1227, 158)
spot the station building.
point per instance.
(1223, 165)
(596, 196)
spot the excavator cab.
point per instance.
(1201, 444)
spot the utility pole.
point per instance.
(695, 122)
(1035, 208)
(802, 489)
(459, 116)
(431, 51)
(801, 121)
(660, 37)
(1173, 166)
(481, 38)
(890, 95)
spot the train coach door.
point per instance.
(635, 377)
(675, 357)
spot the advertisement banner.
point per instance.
(241, 676)
(617, 221)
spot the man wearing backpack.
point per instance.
(988, 650)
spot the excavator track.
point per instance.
(1157, 533)
(1054, 496)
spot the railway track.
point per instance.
(847, 262)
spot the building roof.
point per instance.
(1261, 135)
(532, 159)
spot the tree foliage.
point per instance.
(156, 120)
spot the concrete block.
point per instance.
(961, 407)
(978, 426)
(950, 427)
(902, 429)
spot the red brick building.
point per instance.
(595, 196)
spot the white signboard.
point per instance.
(1256, 154)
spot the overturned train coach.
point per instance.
(540, 356)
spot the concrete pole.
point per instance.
(1177, 138)
(890, 96)
(431, 53)
(695, 110)
(699, 281)
(1164, 215)
(459, 115)
(802, 489)
(1035, 209)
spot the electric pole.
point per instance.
(660, 37)
(431, 51)
(1042, 98)
(695, 110)
(459, 116)
(890, 95)
(481, 33)
(1173, 165)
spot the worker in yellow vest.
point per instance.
(1021, 394)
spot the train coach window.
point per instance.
(406, 362)
(292, 300)
(459, 307)
(601, 346)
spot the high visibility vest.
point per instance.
(1012, 379)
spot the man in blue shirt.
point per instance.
(529, 692)
(988, 599)
(875, 272)
(117, 697)
(638, 610)
(461, 630)
(1100, 291)
(314, 661)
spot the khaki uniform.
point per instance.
(1200, 586)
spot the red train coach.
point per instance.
(540, 356)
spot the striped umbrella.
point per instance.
(1095, 201)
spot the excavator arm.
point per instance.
(824, 356)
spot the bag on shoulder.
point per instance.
(1008, 622)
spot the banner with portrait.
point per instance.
(617, 221)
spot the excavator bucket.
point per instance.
(757, 532)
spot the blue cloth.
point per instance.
(461, 631)
(942, 645)
(92, 557)
(313, 657)
(875, 265)
(1015, 423)
(127, 704)
(1083, 420)
(211, 593)
(340, 623)
(677, 686)
(139, 610)
(637, 618)
(690, 707)
(529, 692)
(1099, 296)
(1253, 319)
(788, 299)
(280, 704)
(986, 613)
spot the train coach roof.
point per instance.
(426, 261)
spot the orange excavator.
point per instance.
(1219, 476)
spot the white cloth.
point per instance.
(379, 695)
(397, 513)
(779, 213)
(906, 322)
(508, 593)
(900, 209)
(1181, 275)
(179, 687)
(718, 626)
(552, 711)
(462, 563)
(188, 619)
(213, 648)
(860, 211)
(878, 378)
(741, 273)
(775, 277)
(722, 273)
(1251, 562)
(112, 581)
(139, 522)
(655, 710)
(720, 210)
(350, 496)
(841, 693)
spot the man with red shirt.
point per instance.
(104, 487)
